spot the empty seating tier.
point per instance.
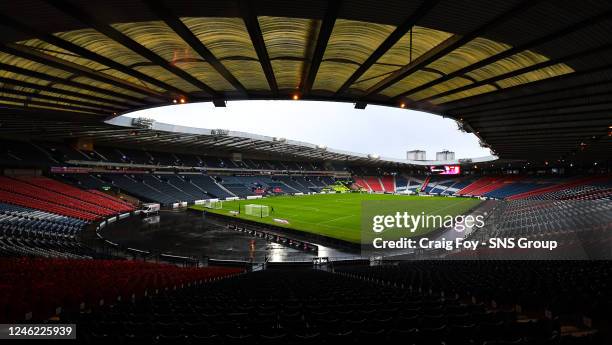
(105, 201)
(419, 303)
(374, 183)
(40, 286)
(388, 183)
(29, 232)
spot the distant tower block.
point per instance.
(416, 155)
(445, 156)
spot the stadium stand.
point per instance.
(425, 184)
(64, 189)
(28, 195)
(557, 190)
(189, 189)
(158, 183)
(74, 285)
(362, 183)
(18, 154)
(450, 306)
(292, 185)
(30, 232)
(495, 289)
(136, 187)
(238, 189)
(496, 183)
(388, 183)
(458, 184)
(401, 183)
(374, 183)
(441, 186)
(517, 188)
(295, 184)
(311, 183)
(475, 185)
(208, 185)
(559, 219)
(86, 181)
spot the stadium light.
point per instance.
(295, 97)
(174, 101)
(183, 100)
(402, 105)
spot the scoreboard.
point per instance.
(445, 170)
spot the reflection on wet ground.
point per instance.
(189, 233)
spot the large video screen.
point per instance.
(445, 170)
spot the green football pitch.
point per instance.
(337, 215)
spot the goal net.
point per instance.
(257, 210)
(214, 204)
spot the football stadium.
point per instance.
(119, 226)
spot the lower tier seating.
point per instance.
(388, 183)
(416, 303)
(106, 202)
(38, 287)
(30, 232)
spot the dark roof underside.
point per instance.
(532, 79)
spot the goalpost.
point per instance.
(257, 210)
(213, 204)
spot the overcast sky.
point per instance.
(386, 131)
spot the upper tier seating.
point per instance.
(23, 154)
(39, 286)
(111, 155)
(27, 154)
(189, 160)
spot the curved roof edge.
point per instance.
(125, 121)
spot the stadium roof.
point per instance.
(126, 131)
(531, 78)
